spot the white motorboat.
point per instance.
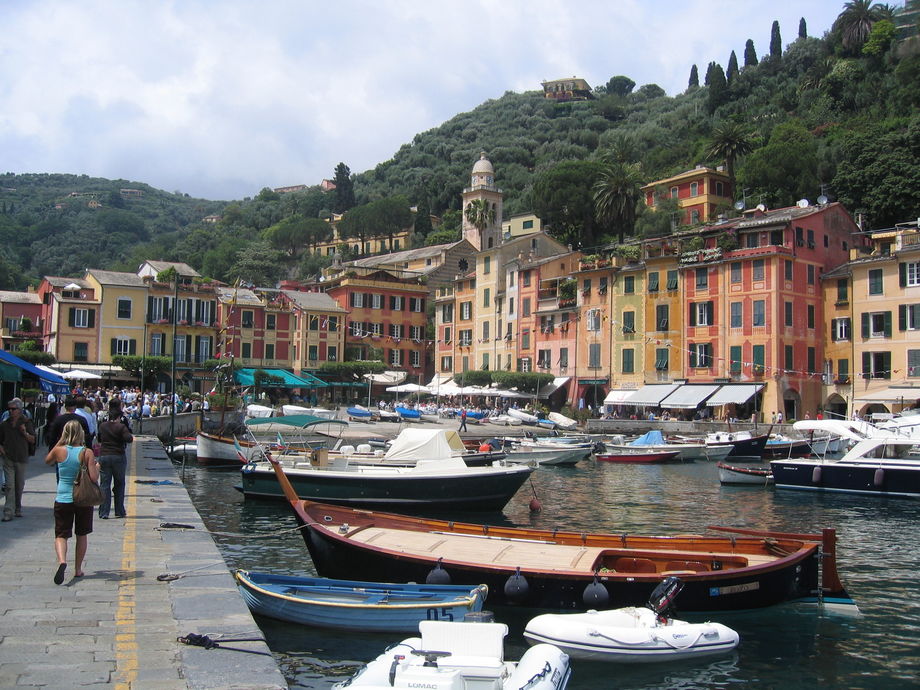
(564, 455)
(654, 441)
(632, 634)
(462, 656)
(504, 420)
(525, 417)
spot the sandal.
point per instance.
(59, 575)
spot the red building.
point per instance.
(21, 318)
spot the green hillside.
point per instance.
(836, 115)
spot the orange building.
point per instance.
(700, 193)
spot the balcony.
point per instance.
(701, 256)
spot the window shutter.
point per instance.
(710, 313)
(867, 364)
(188, 348)
(865, 325)
(72, 317)
(197, 347)
(902, 275)
(692, 316)
(132, 347)
(833, 330)
(114, 346)
(887, 324)
(91, 322)
(886, 365)
(149, 309)
(198, 305)
(902, 317)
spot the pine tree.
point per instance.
(750, 54)
(694, 81)
(776, 42)
(803, 29)
(344, 189)
(732, 71)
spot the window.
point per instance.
(486, 265)
(720, 189)
(787, 314)
(81, 352)
(661, 317)
(751, 240)
(593, 320)
(662, 356)
(376, 301)
(694, 216)
(810, 359)
(734, 359)
(313, 320)
(544, 359)
(840, 328)
(736, 272)
(876, 365)
(270, 321)
(124, 308)
(876, 324)
(396, 302)
(447, 363)
(757, 355)
(694, 189)
(810, 241)
(913, 363)
(270, 351)
(332, 323)
(525, 306)
(629, 285)
(245, 352)
(909, 274)
(485, 330)
(586, 286)
(788, 358)
(527, 225)
(758, 269)
(525, 278)
(524, 364)
(673, 192)
(787, 268)
(415, 358)
(672, 280)
(447, 313)
(701, 314)
(313, 353)
(81, 318)
(759, 314)
(396, 356)
(416, 304)
(466, 337)
(12, 324)
(909, 317)
(486, 295)
(875, 281)
(594, 356)
(375, 328)
(602, 286)
(629, 322)
(466, 311)
(511, 302)
(700, 355)
(447, 335)
(811, 316)
(702, 278)
(735, 314)
(563, 357)
(396, 330)
(123, 346)
(810, 273)
(247, 318)
(357, 329)
(525, 339)
(842, 291)
(653, 281)
(157, 343)
(629, 362)
(415, 332)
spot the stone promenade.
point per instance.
(118, 625)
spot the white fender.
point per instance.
(543, 667)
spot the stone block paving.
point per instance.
(118, 625)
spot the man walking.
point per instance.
(462, 420)
(16, 433)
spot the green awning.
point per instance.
(246, 377)
(300, 421)
(10, 373)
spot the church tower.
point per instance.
(487, 199)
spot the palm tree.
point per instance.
(856, 20)
(616, 194)
(480, 214)
(731, 140)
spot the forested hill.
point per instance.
(836, 115)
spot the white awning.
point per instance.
(650, 396)
(439, 380)
(551, 388)
(737, 394)
(688, 396)
(618, 396)
(888, 395)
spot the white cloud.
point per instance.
(219, 99)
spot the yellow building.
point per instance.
(121, 327)
(70, 313)
(700, 193)
(521, 224)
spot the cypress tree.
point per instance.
(344, 189)
(750, 55)
(694, 78)
(803, 29)
(718, 88)
(732, 71)
(776, 42)
(708, 78)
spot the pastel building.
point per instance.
(318, 331)
(700, 193)
(20, 318)
(70, 312)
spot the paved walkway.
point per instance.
(117, 626)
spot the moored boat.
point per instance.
(219, 449)
(561, 421)
(542, 455)
(355, 605)
(654, 440)
(408, 414)
(359, 413)
(462, 655)
(557, 569)
(639, 456)
(740, 442)
(525, 417)
(742, 470)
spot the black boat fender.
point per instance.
(437, 575)
(516, 587)
(595, 595)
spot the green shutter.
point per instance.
(902, 317)
(692, 316)
(866, 364)
(91, 323)
(113, 346)
(734, 354)
(843, 369)
(757, 355)
(887, 324)
(132, 347)
(653, 282)
(72, 317)
(902, 275)
(886, 365)
(865, 325)
(710, 313)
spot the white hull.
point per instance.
(259, 411)
(629, 635)
(563, 456)
(735, 474)
(219, 450)
(562, 421)
(686, 451)
(525, 417)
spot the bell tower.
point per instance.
(484, 229)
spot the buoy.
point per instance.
(485, 448)
(595, 595)
(878, 479)
(535, 505)
(516, 587)
(438, 576)
(816, 475)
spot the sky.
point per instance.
(220, 98)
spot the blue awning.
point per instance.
(50, 383)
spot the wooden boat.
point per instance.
(639, 456)
(655, 441)
(573, 570)
(437, 484)
(745, 470)
(354, 605)
(633, 634)
(232, 447)
(462, 655)
(219, 449)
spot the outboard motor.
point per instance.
(662, 599)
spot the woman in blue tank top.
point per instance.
(68, 518)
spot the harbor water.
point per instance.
(787, 646)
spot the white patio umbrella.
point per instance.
(79, 375)
(408, 388)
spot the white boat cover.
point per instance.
(737, 394)
(259, 411)
(562, 421)
(689, 396)
(523, 416)
(413, 444)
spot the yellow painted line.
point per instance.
(126, 658)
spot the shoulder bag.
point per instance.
(86, 492)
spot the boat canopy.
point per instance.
(649, 438)
(247, 377)
(412, 444)
(300, 421)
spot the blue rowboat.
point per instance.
(358, 413)
(406, 413)
(353, 605)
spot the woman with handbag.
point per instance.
(73, 512)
